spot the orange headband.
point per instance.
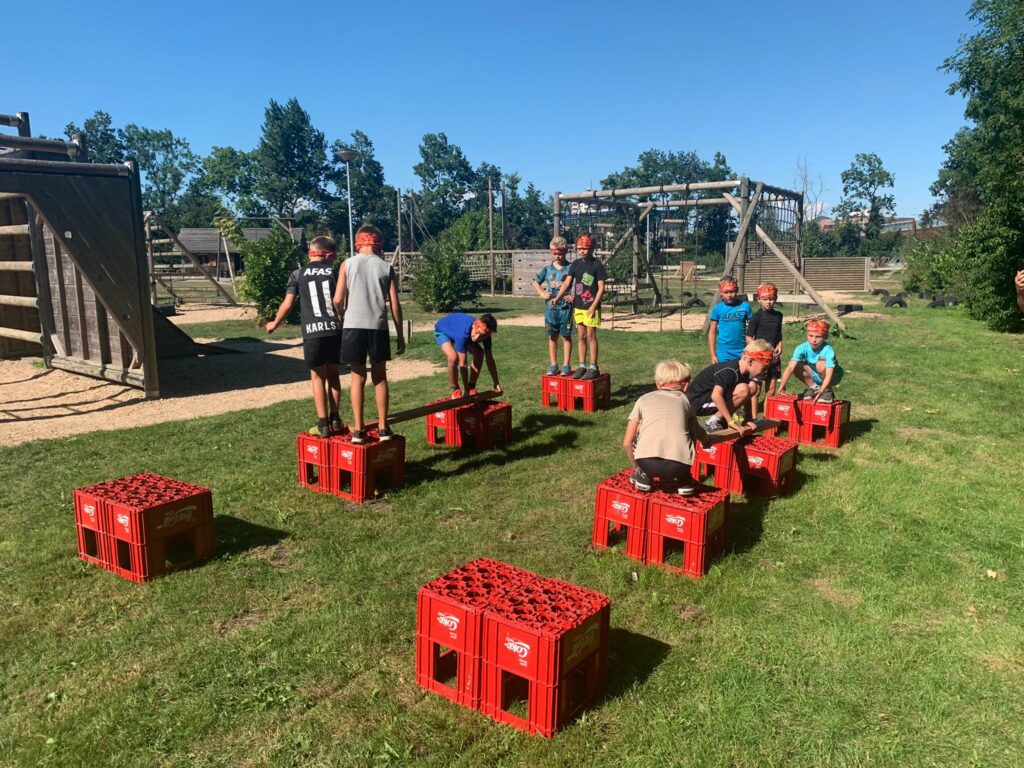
(560, 250)
(480, 328)
(817, 326)
(584, 241)
(762, 356)
(768, 291)
(727, 281)
(322, 253)
(369, 240)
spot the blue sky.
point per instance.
(562, 93)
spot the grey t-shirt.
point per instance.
(367, 280)
(666, 423)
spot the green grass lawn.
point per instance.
(872, 618)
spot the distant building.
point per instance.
(209, 247)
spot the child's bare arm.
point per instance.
(561, 291)
(540, 291)
(712, 331)
(627, 442)
(396, 315)
(282, 312)
(492, 368)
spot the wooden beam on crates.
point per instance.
(761, 425)
(441, 405)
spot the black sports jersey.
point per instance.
(725, 375)
(766, 324)
(313, 286)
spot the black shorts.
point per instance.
(324, 350)
(705, 406)
(666, 470)
(359, 343)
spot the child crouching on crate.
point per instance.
(723, 390)
(661, 429)
(459, 336)
(814, 362)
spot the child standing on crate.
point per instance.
(366, 286)
(727, 329)
(557, 319)
(661, 430)
(312, 287)
(815, 363)
(586, 277)
(766, 324)
(461, 336)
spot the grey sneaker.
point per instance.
(552, 370)
(827, 396)
(384, 433)
(592, 373)
(578, 373)
(715, 423)
(641, 480)
(566, 370)
(808, 394)
(359, 437)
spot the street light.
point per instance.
(347, 156)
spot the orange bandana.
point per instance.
(763, 356)
(480, 329)
(584, 241)
(368, 240)
(817, 326)
(767, 291)
(322, 253)
(726, 281)
(559, 251)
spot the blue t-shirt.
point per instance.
(731, 335)
(805, 354)
(551, 279)
(457, 327)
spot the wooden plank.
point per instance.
(14, 230)
(19, 301)
(108, 373)
(83, 323)
(761, 425)
(16, 266)
(442, 405)
(20, 335)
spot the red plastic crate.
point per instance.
(767, 457)
(696, 559)
(824, 423)
(89, 509)
(619, 505)
(149, 517)
(449, 626)
(443, 427)
(314, 462)
(93, 546)
(784, 408)
(554, 388)
(589, 395)
(498, 421)
(767, 487)
(356, 470)
(716, 466)
(694, 519)
(144, 562)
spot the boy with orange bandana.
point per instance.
(722, 389)
(815, 363)
(767, 324)
(459, 336)
(587, 277)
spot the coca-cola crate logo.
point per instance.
(676, 521)
(519, 647)
(821, 413)
(90, 510)
(755, 461)
(440, 416)
(313, 450)
(580, 388)
(712, 451)
(347, 455)
(124, 521)
(176, 516)
(622, 507)
(552, 383)
(584, 643)
(449, 622)
(782, 407)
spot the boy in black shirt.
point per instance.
(766, 324)
(722, 389)
(313, 287)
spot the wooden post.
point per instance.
(490, 228)
(557, 215)
(740, 244)
(398, 222)
(230, 261)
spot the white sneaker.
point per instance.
(715, 423)
(686, 490)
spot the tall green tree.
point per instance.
(103, 142)
(289, 165)
(373, 200)
(447, 180)
(865, 185)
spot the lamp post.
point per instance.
(347, 156)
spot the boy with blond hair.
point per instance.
(814, 362)
(586, 277)
(661, 430)
(312, 287)
(725, 388)
(366, 285)
(557, 319)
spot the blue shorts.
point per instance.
(558, 321)
(837, 376)
(442, 339)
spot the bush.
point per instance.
(268, 264)
(442, 284)
(984, 257)
(928, 264)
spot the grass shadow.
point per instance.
(629, 394)
(234, 536)
(632, 659)
(861, 427)
(746, 522)
(538, 422)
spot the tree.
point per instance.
(166, 162)
(289, 165)
(527, 215)
(373, 201)
(864, 185)
(269, 262)
(103, 143)
(447, 179)
(230, 174)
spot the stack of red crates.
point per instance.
(144, 526)
(824, 423)
(783, 408)
(717, 466)
(659, 521)
(527, 651)
(589, 395)
(766, 464)
(340, 467)
(474, 425)
(556, 387)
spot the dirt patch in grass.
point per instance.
(690, 612)
(912, 432)
(242, 621)
(844, 598)
(278, 556)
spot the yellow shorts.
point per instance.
(581, 317)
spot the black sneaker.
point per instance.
(579, 372)
(359, 437)
(640, 480)
(335, 426)
(827, 396)
(385, 433)
(808, 394)
(592, 373)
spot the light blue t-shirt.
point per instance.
(804, 354)
(731, 335)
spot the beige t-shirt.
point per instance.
(665, 420)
